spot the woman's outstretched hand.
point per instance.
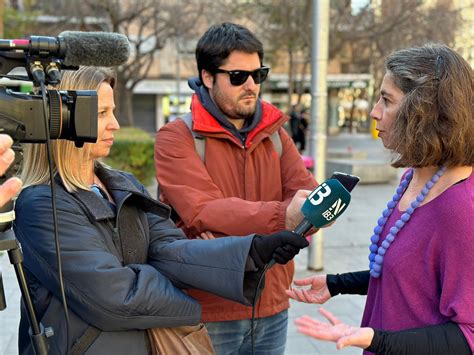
(334, 330)
(317, 293)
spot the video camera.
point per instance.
(71, 114)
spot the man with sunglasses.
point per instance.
(250, 179)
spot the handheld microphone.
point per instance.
(76, 48)
(325, 204)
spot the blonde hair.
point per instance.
(68, 160)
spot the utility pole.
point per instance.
(178, 77)
(2, 12)
(318, 127)
(178, 69)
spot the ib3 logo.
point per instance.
(318, 196)
(321, 192)
(336, 208)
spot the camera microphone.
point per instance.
(95, 48)
(75, 48)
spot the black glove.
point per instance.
(281, 246)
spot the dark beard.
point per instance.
(244, 114)
(239, 113)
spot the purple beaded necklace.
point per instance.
(377, 253)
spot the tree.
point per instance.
(148, 24)
(369, 36)
(360, 40)
(289, 24)
(411, 25)
(17, 21)
(283, 26)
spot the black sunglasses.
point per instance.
(238, 77)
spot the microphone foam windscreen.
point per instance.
(95, 48)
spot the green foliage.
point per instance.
(18, 24)
(133, 152)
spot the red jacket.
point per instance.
(237, 191)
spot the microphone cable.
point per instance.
(254, 301)
(55, 217)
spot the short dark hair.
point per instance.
(220, 40)
(435, 124)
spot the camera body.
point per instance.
(71, 114)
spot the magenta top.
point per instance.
(427, 273)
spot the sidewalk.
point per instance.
(345, 249)
(361, 142)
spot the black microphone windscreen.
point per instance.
(105, 49)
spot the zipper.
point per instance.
(115, 231)
(244, 151)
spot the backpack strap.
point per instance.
(199, 140)
(199, 146)
(276, 140)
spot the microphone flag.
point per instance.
(326, 203)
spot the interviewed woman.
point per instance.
(420, 292)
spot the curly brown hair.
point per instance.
(434, 125)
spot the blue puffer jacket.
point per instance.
(103, 290)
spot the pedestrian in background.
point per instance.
(299, 126)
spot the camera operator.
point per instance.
(12, 186)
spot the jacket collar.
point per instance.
(204, 97)
(122, 188)
(96, 206)
(204, 123)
